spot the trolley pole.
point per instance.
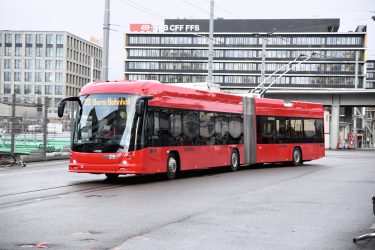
(104, 75)
(13, 131)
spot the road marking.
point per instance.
(35, 171)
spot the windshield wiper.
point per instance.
(110, 141)
(115, 144)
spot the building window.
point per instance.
(59, 52)
(17, 89)
(48, 90)
(29, 39)
(18, 51)
(27, 89)
(17, 76)
(49, 52)
(7, 88)
(28, 51)
(38, 89)
(49, 64)
(18, 64)
(8, 51)
(38, 64)
(58, 90)
(59, 39)
(18, 38)
(8, 38)
(28, 64)
(59, 77)
(59, 64)
(38, 51)
(28, 77)
(38, 77)
(39, 39)
(49, 39)
(7, 76)
(7, 64)
(48, 77)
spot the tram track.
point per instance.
(33, 196)
(27, 197)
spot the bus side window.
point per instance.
(296, 133)
(319, 130)
(207, 128)
(267, 130)
(176, 127)
(152, 128)
(164, 128)
(309, 132)
(190, 121)
(221, 129)
(282, 129)
(235, 129)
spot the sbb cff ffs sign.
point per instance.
(139, 27)
(182, 28)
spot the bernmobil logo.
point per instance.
(139, 27)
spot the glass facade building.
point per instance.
(38, 64)
(242, 53)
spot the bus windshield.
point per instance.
(104, 123)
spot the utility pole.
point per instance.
(355, 86)
(211, 45)
(13, 132)
(106, 40)
(44, 127)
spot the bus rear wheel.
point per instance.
(172, 166)
(297, 157)
(234, 160)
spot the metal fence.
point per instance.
(30, 128)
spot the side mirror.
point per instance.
(60, 108)
(140, 107)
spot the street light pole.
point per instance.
(211, 45)
(104, 75)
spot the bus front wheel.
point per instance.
(234, 160)
(172, 166)
(297, 157)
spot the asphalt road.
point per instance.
(321, 205)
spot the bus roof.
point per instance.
(165, 95)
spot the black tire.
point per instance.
(234, 160)
(112, 177)
(172, 166)
(7, 160)
(297, 157)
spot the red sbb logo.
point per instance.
(135, 27)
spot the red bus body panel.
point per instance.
(283, 152)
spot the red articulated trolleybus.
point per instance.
(145, 127)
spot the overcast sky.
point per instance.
(84, 18)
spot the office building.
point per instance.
(247, 51)
(52, 64)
